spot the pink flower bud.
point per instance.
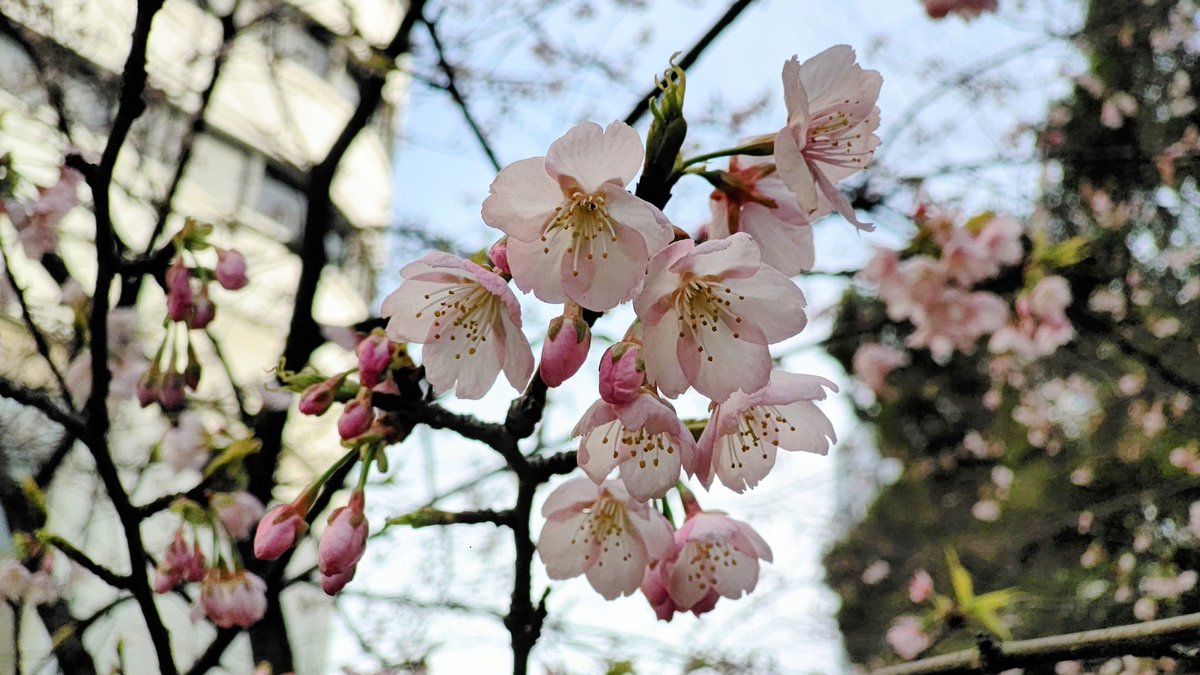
(231, 269)
(920, 588)
(147, 388)
(317, 398)
(202, 312)
(566, 347)
(170, 393)
(191, 371)
(357, 416)
(180, 563)
(374, 357)
(179, 291)
(233, 598)
(621, 373)
(344, 541)
(238, 511)
(499, 255)
(278, 531)
(333, 584)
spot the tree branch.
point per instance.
(80, 558)
(42, 401)
(1152, 638)
(451, 87)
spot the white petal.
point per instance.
(786, 247)
(659, 353)
(640, 216)
(538, 270)
(610, 276)
(599, 451)
(740, 463)
(565, 546)
(620, 564)
(572, 494)
(650, 475)
(772, 303)
(793, 169)
(518, 356)
(522, 199)
(794, 95)
(589, 156)
(736, 572)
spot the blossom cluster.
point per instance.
(707, 310)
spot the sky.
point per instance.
(441, 178)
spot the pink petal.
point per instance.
(572, 495)
(793, 169)
(522, 199)
(620, 564)
(538, 270)
(565, 547)
(659, 352)
(602, 283)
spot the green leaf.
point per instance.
(960, 579)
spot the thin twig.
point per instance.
(39, 338)
(451, 87)
(80, 558)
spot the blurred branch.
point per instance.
(39, 339)
(41, 401)
(54, 93)
(1153, 638)
(451, 87)
(80, 558)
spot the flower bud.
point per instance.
(233, 598)
(499, 256)
(147, 387)
(566, 347)
(334, 583)
(238, 511)
(278, 531)
(357, 416)
(170, 393)
(317, 398)
(231, 269)
(343, 543)
(202, 312)
(191, 371)
(621, 373)
(374, 358)
(179, 291)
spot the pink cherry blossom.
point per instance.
(956, 321)
(709, 311)
(622, 372)
(468, 320)
(565, 348)
(644, 438)
(920, 588)
(317, 398)
(179, 290)
(14, 580)
(37, 221)
(574, 233)
(180, 563)
(498, 254)
(907, 637)
(230, 270)
(233, 598)
(967, 9)
(829, 135)
(872, 362)
(239, 512)
(756, 201)
(343, 543)
(1041, 326)
(745, 431)
(713, 556)
(374, 354)
(279, 529)
(600, 531)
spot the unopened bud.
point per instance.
(278, 531)
(317, 398)
(170, 394)
(357, 416)
(499, 256)
(203, 311)
(231, 269)
(621, 373)
(565, 349)
(374, 358)
(343, 543)
(179, 291)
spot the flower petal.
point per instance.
(521, 199)
(588, 156)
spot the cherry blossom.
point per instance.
(574, 233)
(239, 512)
(36, 221)
(714, 556)
(600, 531)
(374, 354)
(230, 271)
(831, 122)
(872, 362)
(753, 199)
(468, 320)
(920, 588)
(907, 637)
(1042, 325)
(709, 312)
(643, 438)
(180, 563)
(186, 445)
(745, 431)
(233, 598)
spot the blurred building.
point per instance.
(284, 92)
